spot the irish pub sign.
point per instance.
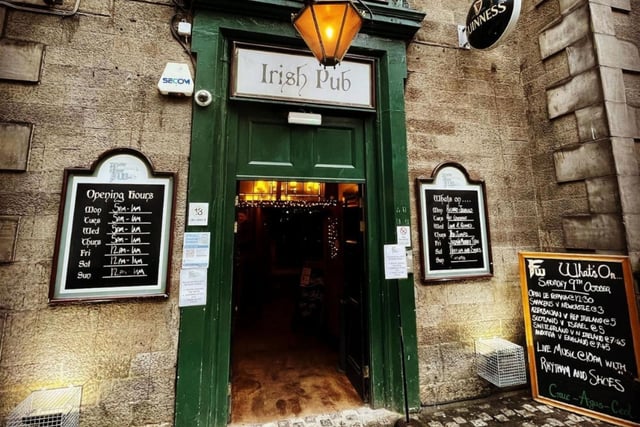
(266, 73)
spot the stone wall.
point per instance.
(72, 88)
(469, 107)
(586, 118)
(549, 121)
(594, 92)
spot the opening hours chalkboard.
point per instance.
(453, 225)
(582, 332)
(114, 230)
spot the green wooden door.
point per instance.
(270, 148)
(216, 163)
(354, 301)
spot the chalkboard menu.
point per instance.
(582, 334)
(454, 232)
(114, 230)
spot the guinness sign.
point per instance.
(489, 21)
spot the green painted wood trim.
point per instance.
(399, 301)
(204, 341)
(201, 360)
(393, 121)
(389, 20)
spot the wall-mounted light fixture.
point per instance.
(328, 27)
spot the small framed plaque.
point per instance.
(453, 225)
(114, 230)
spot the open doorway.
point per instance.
(299, 334)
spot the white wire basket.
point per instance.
(500, 362)
(48, 408)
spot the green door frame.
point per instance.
(205, 333)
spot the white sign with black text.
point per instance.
(395, 262)
(265, 74)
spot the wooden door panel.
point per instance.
(354, 300)
(270, 147)
(338, 146)
(268, 144)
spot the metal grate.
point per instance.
(500, 362)
(48, 408)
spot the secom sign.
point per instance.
(489, 21)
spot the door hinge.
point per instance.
(362, 226)
(365, 371)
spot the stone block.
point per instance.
(628, 187)
(568, 5)
(613, 87)
(602, 19)
(15, 140)
(632, 223)
(20, 60)
(153, 364)
(458, 360)
(581, 56)
(632, 89)
(623, 153)
(603, 195)
(616, 4)
(588, 160)
(572, 28)
(616, 53)
(592, 123)
(601, 232)
(581, 91)
(8, 236)
(622, 120)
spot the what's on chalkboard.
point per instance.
(453, 225)
(582, 332)
(114, 230)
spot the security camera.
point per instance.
(203, 97)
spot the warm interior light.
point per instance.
(328, 27)
(261, 190)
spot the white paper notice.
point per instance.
(195, 251)
(198, 213)
(193, 287)
(395, 262)
(404, 235)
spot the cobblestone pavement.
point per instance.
(510, 409)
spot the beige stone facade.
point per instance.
(97, 90)
(469, 107)
(549, 120)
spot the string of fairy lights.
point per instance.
(332, 237)
(296, 204)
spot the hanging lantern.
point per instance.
(328, 27)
